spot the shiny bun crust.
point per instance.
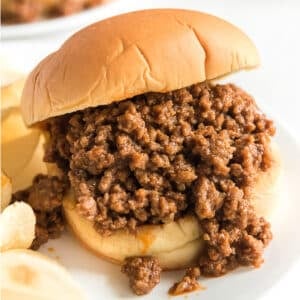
(152, 50)
(176, 244)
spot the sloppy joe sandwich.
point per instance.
(162, 168)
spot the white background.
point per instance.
(274, 26)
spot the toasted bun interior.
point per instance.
(153, 50)
(176, 244)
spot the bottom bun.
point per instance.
(176, 244)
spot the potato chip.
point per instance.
(6, 190)
(26, 274)
(22, 147)
(11, 93)
(17, 226)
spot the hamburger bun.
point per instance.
(176, 244)
(108, 62)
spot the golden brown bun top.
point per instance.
(131, 54)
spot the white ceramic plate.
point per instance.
(60, 24)
(103, 280)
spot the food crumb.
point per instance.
(189, 283)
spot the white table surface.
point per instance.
(274, 26)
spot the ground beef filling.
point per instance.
(45, 197)
(155, 157)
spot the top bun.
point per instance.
(131, 54)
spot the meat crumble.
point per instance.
(45, 197)
(143, 272)
(155, 157)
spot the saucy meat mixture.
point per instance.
(143, 272)
(155, 157)
(22, 11)
(45, 197)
